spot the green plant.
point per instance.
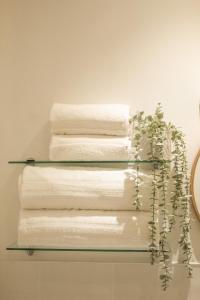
(181, 195)
(157, 134)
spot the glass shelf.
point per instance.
(31, 249)
(32, 161)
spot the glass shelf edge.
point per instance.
(71, 249)
(32, 162)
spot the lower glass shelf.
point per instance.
(32, 161)
(31, 249)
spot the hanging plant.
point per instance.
(138, 124)
(157, 133)
(182, 200)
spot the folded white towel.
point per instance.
(81, 188)
(89, 147)
(109, 119)
(83, 228)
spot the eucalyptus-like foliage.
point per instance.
(157, 133)
(182, 202)
(138, 124)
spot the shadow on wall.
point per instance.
(39, 146)
(142, 282)
(179, 287)
(38, 149)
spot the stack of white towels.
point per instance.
(76, 206)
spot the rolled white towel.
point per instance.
(83, 228)
(89, 147)
(81, 188)
(109, 119)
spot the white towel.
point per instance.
(89, 147)
(83, 229)
(109, 119)
(81, 188)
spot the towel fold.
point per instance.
(83, 228)
(109, 119)
(81, 188)
(89, 147)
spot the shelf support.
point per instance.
(30, 161)
(30, 252)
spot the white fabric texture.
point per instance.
(83, 228)
(81, 188)
(89, 147)
(108, 119)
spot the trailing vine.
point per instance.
(182, 185)
(153, 223)
(138, 131)
(152, 134)
(161, 128)
(179, 173)
(157, 132)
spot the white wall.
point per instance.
(91, 51)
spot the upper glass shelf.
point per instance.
(33, 161)
(31, 249)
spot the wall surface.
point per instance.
(91, 51)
